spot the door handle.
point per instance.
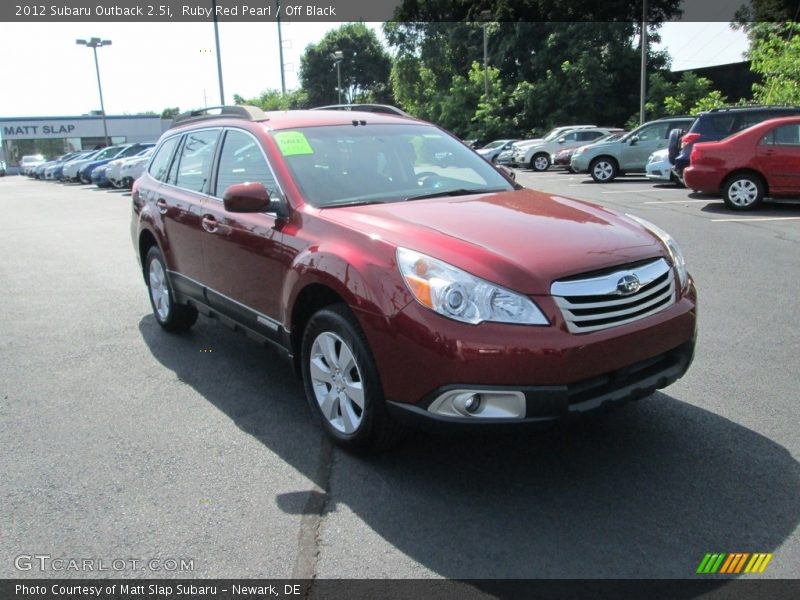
(162, 206)
(209, 224)
(769, 152)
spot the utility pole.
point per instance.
(95, 43)
(643, 82)
(219, 58)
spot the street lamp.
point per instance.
(643, 74)
(337, 58)
(95, 43)
(219, 58)
(485, 15)
(280, 46)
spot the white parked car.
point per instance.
(114, 170)
(29, 162)
(491, 150)
(539, 156)
(659, 168)
(134, 167)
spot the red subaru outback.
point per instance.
(406, 278)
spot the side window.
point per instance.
(787, 135)
(160, 162)
(656, 131)
(196, 155)
(769, 139)
(571, 137)
(242, 160)
(749, 119)
(173, 170)
(588, 136)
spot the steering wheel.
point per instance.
(427, 179)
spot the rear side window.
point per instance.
(194, 163)
(241, 160)
(588, 136)
(785, 135)
(160, 163)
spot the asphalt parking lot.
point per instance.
(122, 441)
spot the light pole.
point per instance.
(95, 43)
(337, 58)
(643, 82)
(280, 46)
(219, 58)
(486, 15)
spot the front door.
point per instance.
(242, 251)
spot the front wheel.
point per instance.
(603, 170)
(169, 314)
(743, 192)
(342, 384)
(540, 162)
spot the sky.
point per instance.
(152, 66)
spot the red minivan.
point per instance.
(763, 160)
(406, 279)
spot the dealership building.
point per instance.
(53, 136)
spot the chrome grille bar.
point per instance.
(596, 303)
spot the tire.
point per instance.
(676, 180)
(743, 192)
(540, 162)
(342, 384)
(603, 169)
(169, 314)
(674, 144)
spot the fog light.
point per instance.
(480, 404)
(473, 403)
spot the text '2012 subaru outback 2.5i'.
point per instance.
(406, 278)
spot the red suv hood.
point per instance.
(522, 239)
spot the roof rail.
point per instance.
(377, 108)
(753, 105)
(239, 111)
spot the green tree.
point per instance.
(776, 57)
(365, 67)
(272, 99)
(170, 113)
(548, 72)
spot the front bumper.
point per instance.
(419, 354)
(548, 403)
(579, 163)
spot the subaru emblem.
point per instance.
(628, 284)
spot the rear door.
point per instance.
(179, 199)
(242, 252)
(778, 157)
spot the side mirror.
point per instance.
(562, 140)
(251, 197)
(633, 140)
(507, 172)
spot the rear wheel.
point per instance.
(743, 192)
(342, 384)
(603, 169)
(540, 162)
(169, 314)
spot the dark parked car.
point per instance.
(717, 124)
(405, 290)
(763, 160)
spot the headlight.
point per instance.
(458, 295)
(675, 254)
(578, 151)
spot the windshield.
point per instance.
(340, 165)
(495, 144)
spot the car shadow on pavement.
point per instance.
(641, 492)
(767, 209)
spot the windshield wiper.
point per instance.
(456, 192)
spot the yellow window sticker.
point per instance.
(292, 143)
